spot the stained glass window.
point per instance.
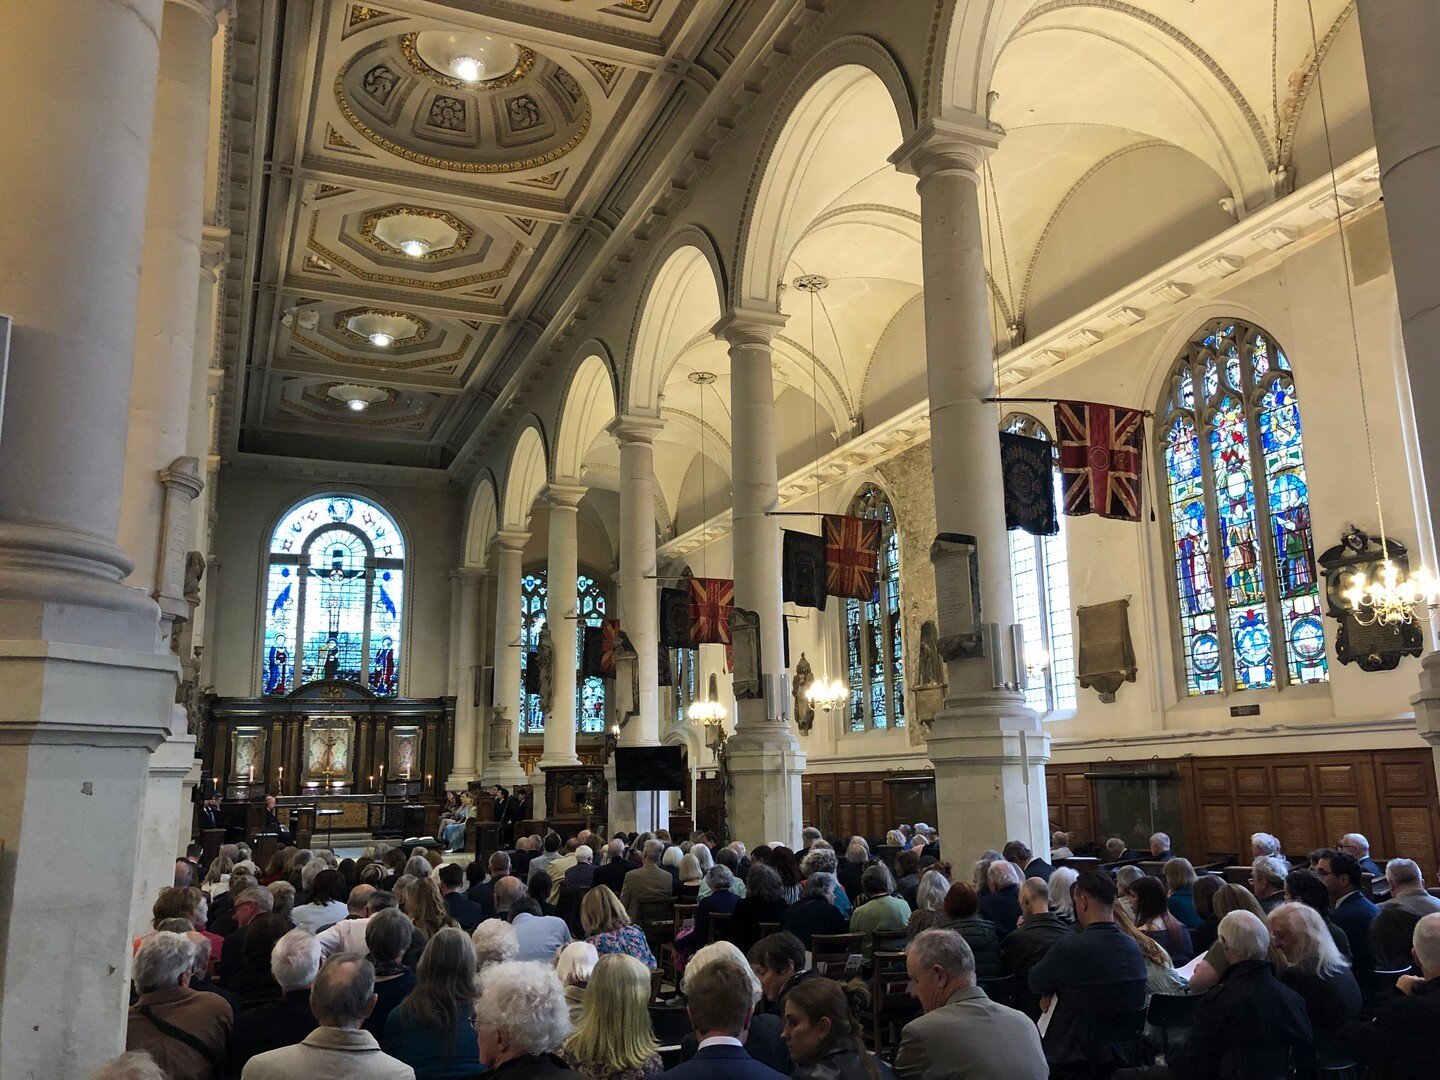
(872, 631)
(684, 668)
(534, 609)
(334, 597)
(1040, 585)
(1239, 516)
(590, 705)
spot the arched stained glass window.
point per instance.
(1040, 585)
(334, 597)
(872, 631)
(534, 609)
(684, 668)
(590, 707)
(1239, 515)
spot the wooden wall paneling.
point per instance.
(1409, 814)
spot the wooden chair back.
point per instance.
(892, 1005)
(837, 956)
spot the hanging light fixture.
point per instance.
(416, 247)
(1385, 593)
(705, 712)
(823, 693)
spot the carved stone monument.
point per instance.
(804, 711)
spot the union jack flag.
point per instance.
(711, 601)
(852, 556)
(1100, 455)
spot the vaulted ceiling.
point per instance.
(405, 179)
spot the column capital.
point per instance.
(182, 474)
(564, 496)
(211, 10)
(512, 539)
(468, 574)
(744, 326)
(635, 429)
(943, 144)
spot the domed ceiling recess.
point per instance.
(463, 101)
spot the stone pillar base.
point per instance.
(508, 774)
(989, 754)
(765, 769)
(460, 780)
(163, 811)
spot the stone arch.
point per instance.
(812, 98)
(481, 522)
(684, 254)
(525, 475)
(965, 39)
(589, 405)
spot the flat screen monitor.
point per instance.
(651, 768)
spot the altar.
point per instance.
(336, 745)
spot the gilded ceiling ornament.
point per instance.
(642, 6)
(464, 234)
(362, 13)
(420, 67)
(342, 318)
(425, 283)
(395, 364)
(334, 138)
(348, 417)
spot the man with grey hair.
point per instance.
(294, 962)
(962, 1032)
(254, 900)
(649, 881)
(1264, 843)
(808, 836)
(339, 1048)
(1160, 847)
(1249, 1018)
(1400, 1036)
(1357, 847)
(1267, 881)
(1407, 889)
(183, 1029)
(582, 874)
(612, 875)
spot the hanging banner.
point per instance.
(711, 600)
(852, 556)
(1100, 454)
(802, 569)
(1026, 468)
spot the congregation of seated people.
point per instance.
(840, 959)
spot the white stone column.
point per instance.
(502, 737)
(562, 584)
(84, 696)
(765, 759)
(1400, 40)
(469, 582)
(988, 749)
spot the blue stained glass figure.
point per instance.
(334, 594)
(590, 704)
(533, 606)
(1240, 511)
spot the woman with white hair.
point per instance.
(521, 1019)
(815, 912)
(929, 902)
(763, 1043)
(1309, 963)
(573, 967)
(688, 891)
(1264, 843)
(1061, 903)
(822, 860)
(495, 942)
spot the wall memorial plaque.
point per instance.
(745, 642)
(957, 596)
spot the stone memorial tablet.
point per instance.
(957, 596)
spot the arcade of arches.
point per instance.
(367, 363)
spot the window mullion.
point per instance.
(1042, 605)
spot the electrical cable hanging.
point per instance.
(1388, 597)
(824, 693)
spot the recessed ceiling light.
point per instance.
(467, 68)
(415, 247)
(358, 404)
(382, 340)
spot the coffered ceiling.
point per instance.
(404, 180)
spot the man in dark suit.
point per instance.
(1098, 969)
(462, 909)
(1400, 1036)
(721, 1004)
(1027, 944)
(521, 856)
(254, 900)
(612, 874)
(294, 963)
(484, 893)
(582, 874)
(210, 813)
(1160, 847)
(1030, 866)
(506, 813)
(272, 822)
(1350, 909)
(1250, 1017)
